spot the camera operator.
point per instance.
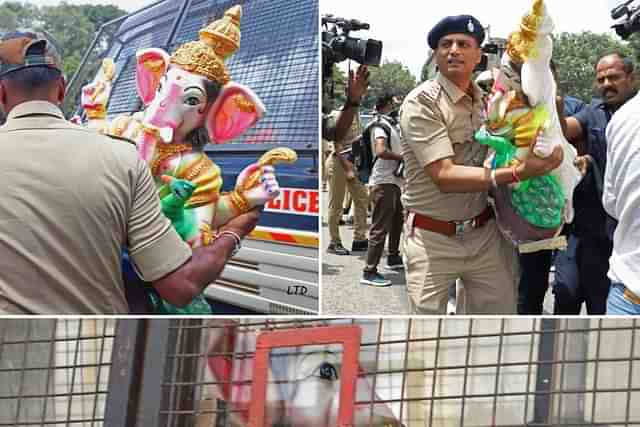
(337, 46)
(340, 170)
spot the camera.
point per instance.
(489, 48)
(631, 22)
(337, 45)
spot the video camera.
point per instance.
(337, 45)
(631, 23)
(489, 48)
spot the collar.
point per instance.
(454, 92)
(35, 107)
(599, 103)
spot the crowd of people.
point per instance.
(429, 190)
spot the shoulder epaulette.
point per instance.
(430, 90)
(121, 138)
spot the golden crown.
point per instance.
(521, 44)
(216, 43)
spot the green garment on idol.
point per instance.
(183, 221)
(538, 200)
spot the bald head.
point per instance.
(615, 80)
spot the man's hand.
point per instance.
(244, 223)
(535, 166)
(358, 84)
(582, 163)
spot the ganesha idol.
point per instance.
(189, 100)
(522, 114)
(303, 383)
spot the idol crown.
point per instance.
(216, 43)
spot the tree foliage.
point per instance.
(72, 26)
(339, 85)
(576, 55)
(428, 68)
(392, 77)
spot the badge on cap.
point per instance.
(470, 26)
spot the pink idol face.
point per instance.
(180, 102)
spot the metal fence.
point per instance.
(447, 372)
(411, 372)
(54, 372)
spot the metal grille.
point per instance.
(54, 372)
(278, 59)
(431, 372)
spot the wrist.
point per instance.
(239, 202)
(229, 234)
(515, 174)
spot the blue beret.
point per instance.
(461, 24)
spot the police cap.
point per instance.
(461, 24)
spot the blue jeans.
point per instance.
(581, 275)
(618, 304)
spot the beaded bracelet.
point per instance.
(236, 238)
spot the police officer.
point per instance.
(450, 232)
(71, 200)
(343, 128)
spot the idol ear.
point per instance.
(236, 109)
(151, 65)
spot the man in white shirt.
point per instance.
(385, 183)
(621, 200)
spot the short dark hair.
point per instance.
(627, 63)
(32, 78)
(383, 101)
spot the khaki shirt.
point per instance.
(438, 120)
(355, 131)
(71, 200)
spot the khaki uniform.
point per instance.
(438, 121)
(71, 200)
(338, 184)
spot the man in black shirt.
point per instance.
(581, 270)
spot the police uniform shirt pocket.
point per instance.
(425, 131)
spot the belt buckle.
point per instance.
(461, 227)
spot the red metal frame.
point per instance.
(348, 336)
